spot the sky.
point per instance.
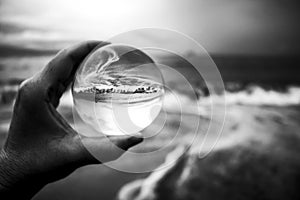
(221, 26)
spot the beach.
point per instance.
(243, 123)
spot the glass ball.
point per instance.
(118, 90)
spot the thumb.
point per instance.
(125, 142)
(105, 149)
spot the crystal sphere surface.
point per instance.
(118, 90)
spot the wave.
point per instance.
(256, 95)
(252, 96)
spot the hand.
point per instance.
(41, 146)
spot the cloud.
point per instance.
(222, 26)
(19, 40)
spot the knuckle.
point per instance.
(26, 90)
(53, 61)
(62, 56)
(24, 86)
(49, 64)
(63, 53)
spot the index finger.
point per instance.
(66, 62)
(60, 71)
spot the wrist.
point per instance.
(14, 182)
(7, 169)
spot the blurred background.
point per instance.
(256, 47)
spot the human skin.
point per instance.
(41, 146)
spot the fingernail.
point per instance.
(135, 140)
(103, 43)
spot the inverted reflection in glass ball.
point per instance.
(118, 90)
